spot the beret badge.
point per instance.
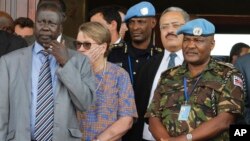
(197, 31)
(144, 11)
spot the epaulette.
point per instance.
(158, 49)
(171, 70)
(118, 45)
(121, 45)
(155, 50)
(226, 64)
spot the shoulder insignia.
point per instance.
(172, 70)
(158, 49)
(118, 45)
(238, 81)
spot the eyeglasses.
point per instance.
(174, 25)
(86, 45)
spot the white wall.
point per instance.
(224, 42)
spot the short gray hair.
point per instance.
(177, 9)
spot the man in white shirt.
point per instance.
(109, 17)
(171, 19)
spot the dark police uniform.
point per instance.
(131, 58)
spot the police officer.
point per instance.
(199, 99)
(141, 21)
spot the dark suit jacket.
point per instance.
(142, 90)
(10, 42)
(243, 64)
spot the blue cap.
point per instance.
(197, 27)
(142, 9)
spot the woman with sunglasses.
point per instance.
(112, 114)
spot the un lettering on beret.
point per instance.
(142, 9)
(197, 27)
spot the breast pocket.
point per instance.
(171, 102)
(207, 98)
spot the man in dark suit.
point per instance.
(171, 19)
(243, 64)
(68, 85)
(8, 41)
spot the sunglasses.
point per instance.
(86, 45)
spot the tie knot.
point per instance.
(171, 62)
(43, 52)
(172, 55)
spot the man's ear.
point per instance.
(212, 44)
(153, 22)
(113, 25)
(64, 17)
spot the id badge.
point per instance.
(184, 112)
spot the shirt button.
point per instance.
(134, 73)
(137, 61)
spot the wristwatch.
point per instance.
(189, 137)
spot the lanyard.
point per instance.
(185, 88)
(130, 70)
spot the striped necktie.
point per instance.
(171, 62)
(45, 103)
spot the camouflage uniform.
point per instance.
(214, 93)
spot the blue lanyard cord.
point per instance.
(130, 70)
(185, 88)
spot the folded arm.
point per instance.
(208, 129)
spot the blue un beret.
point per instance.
(197, 27)
(142, 9)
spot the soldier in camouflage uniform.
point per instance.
(213, 90)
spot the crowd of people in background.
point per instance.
(111, 83)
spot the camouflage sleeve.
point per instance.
(232, 97)
(154, 107)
